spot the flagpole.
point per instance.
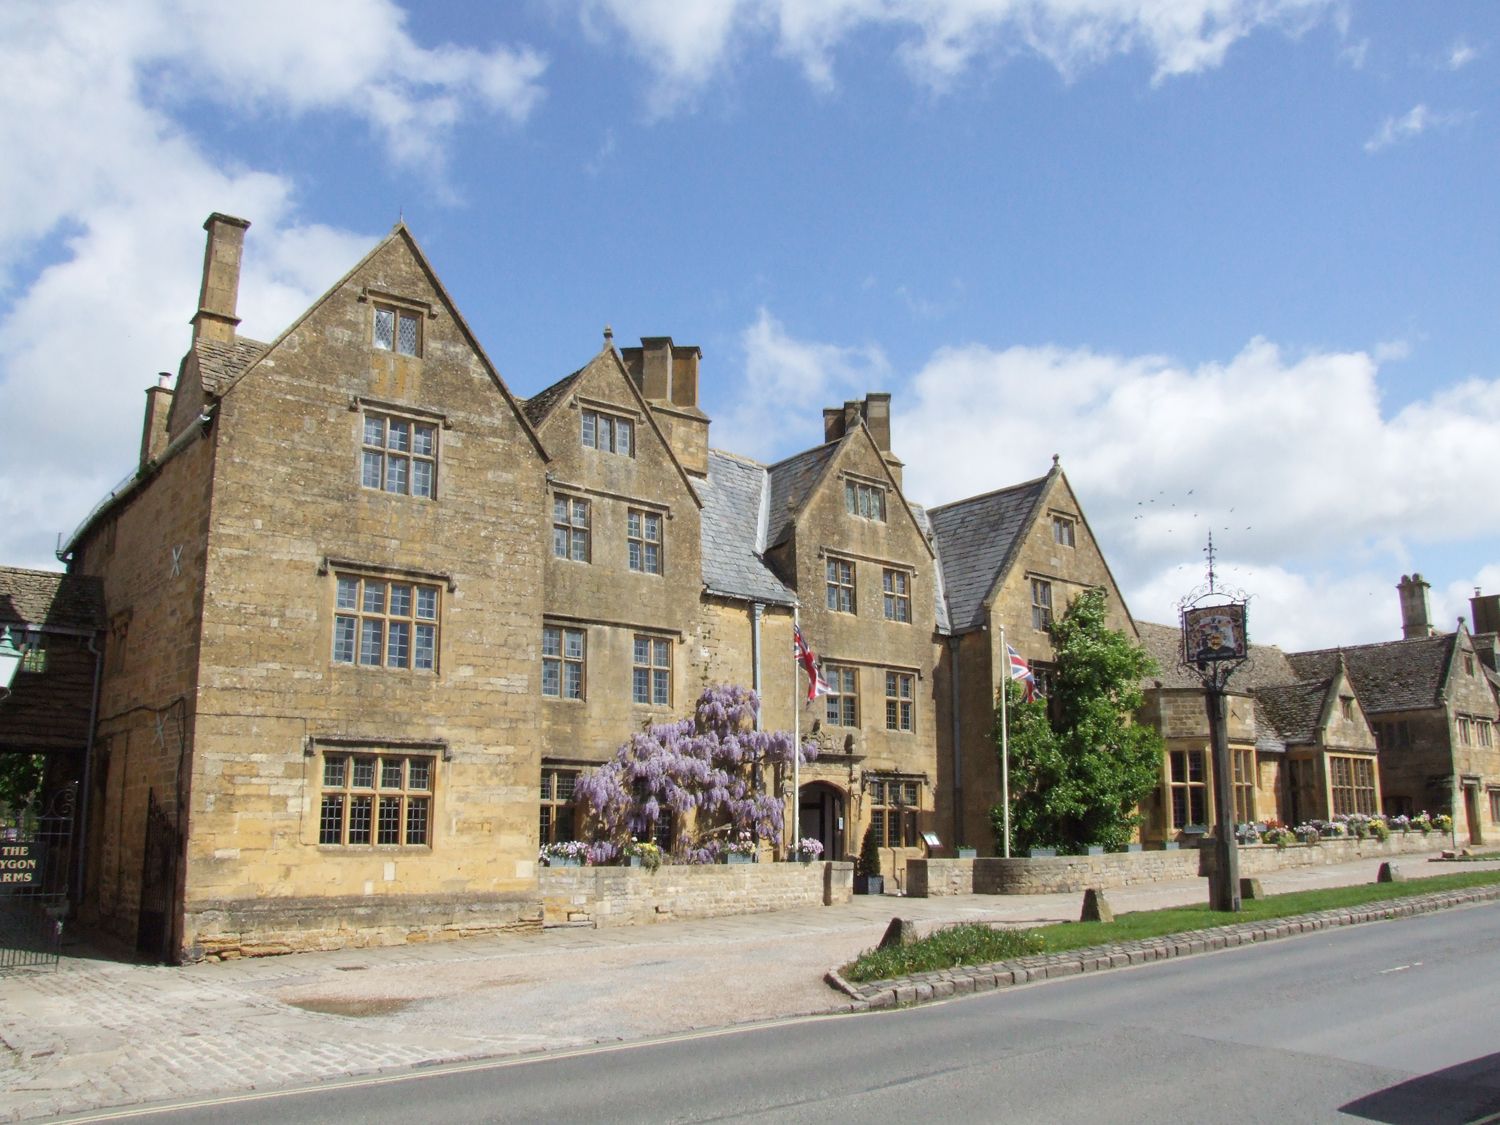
(1005, 739)
(796, 747)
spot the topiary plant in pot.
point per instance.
(867, 877)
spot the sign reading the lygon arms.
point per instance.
(20, 864)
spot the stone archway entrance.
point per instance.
(824, 810)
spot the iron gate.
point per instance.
(35, 855)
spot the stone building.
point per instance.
(1432, 708)
(1011, 560)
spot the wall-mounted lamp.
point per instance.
(11, 655)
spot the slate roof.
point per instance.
(1267, 739)
(1294, 709)
(791, 481)
(1390, 676)
(539, 405)
(924, 521)
(44, 597)
(1268, 665)
(975, 539)
(733, 536)
(220, 364)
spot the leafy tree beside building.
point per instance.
(1078, 779)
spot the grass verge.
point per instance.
(977, 944)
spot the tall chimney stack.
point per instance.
(220, 292)
(1416, 616)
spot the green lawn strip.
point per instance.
(978, 944)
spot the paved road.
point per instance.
(107, 1033)
(1393, 1022)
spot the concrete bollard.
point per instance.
(1250, 889)
(1390, 873)
(1095, 907)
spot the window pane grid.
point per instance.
(894, 807)
(1041, 604)
(897, 590)
(651, 672)
(842, 701)
(643, 540)
(570, 528)
(900, 690)
(840, 583)
(385, 624)
(352, 814)
(399, 455)
(864, 500)
(608, 432)
(562, 662)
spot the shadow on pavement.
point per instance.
(1467, 1092)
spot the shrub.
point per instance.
(969, 943)
(869, 854)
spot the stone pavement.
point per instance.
(101, 1032)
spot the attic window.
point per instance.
(1346, 706)
(864, 500)
(1063, 531)
(398, 330)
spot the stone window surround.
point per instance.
(333, 566)
(411, 456)
(420, 310)
(641, 536)
(1188, 792)
(558, 816)
(900, 701)
(343, 794)
(843, 694)
(657, 673)
(564, 659)
(1042, 602)
(421, 627)
(1064, 529)
(894, 822)
(1351, 778)
(840, 577)
(572, 528)
(615, 413)
(892, 599)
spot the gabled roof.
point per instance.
(1295, 710)
(539, 405)
(220, 364)
(975, 540)
(791, 482)
(400, 232)
(733, 535)
(46, 598)
(1267, 739)
(1401, 675)
(1268, 665)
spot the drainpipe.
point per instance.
(86, 784)
(756, 610)
(958, 783)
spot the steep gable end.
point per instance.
(976, 540)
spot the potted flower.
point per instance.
(742, 848)
(564, 853)
(809, 849)
(867, 877)
(647, 855)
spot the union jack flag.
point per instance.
(816, 684)
(1020, 670)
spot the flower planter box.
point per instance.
(869, 884)
(968, 853)
(1095, 849)
(565, 863)
(736, 857)
(1042, 853)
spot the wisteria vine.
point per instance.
(704, 765)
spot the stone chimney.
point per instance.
(667, 376)
(875, 411)
(1485, 609)
(154, 435)
(220, 292)
(1416, 616)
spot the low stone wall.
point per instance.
(225, 930)
(1259, 859)
(628, 896)
(929, 878)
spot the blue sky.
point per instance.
(1236, 262)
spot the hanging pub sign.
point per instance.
(1214, 632)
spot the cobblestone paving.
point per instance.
(99, 1032)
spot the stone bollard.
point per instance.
(1250, 890)
(899, 932)
(1095, 907)
(1390, 873)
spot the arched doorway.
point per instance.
(823, 811)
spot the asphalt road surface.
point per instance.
(1390, 1022)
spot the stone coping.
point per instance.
(963, 980)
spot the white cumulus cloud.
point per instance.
(1409, 125)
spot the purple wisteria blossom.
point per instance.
(714, 766)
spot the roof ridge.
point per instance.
(992, 493)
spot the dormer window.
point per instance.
(398, 330)
(608, 432)
(864, 500)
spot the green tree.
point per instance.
(1079, 780)
(20, 781)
